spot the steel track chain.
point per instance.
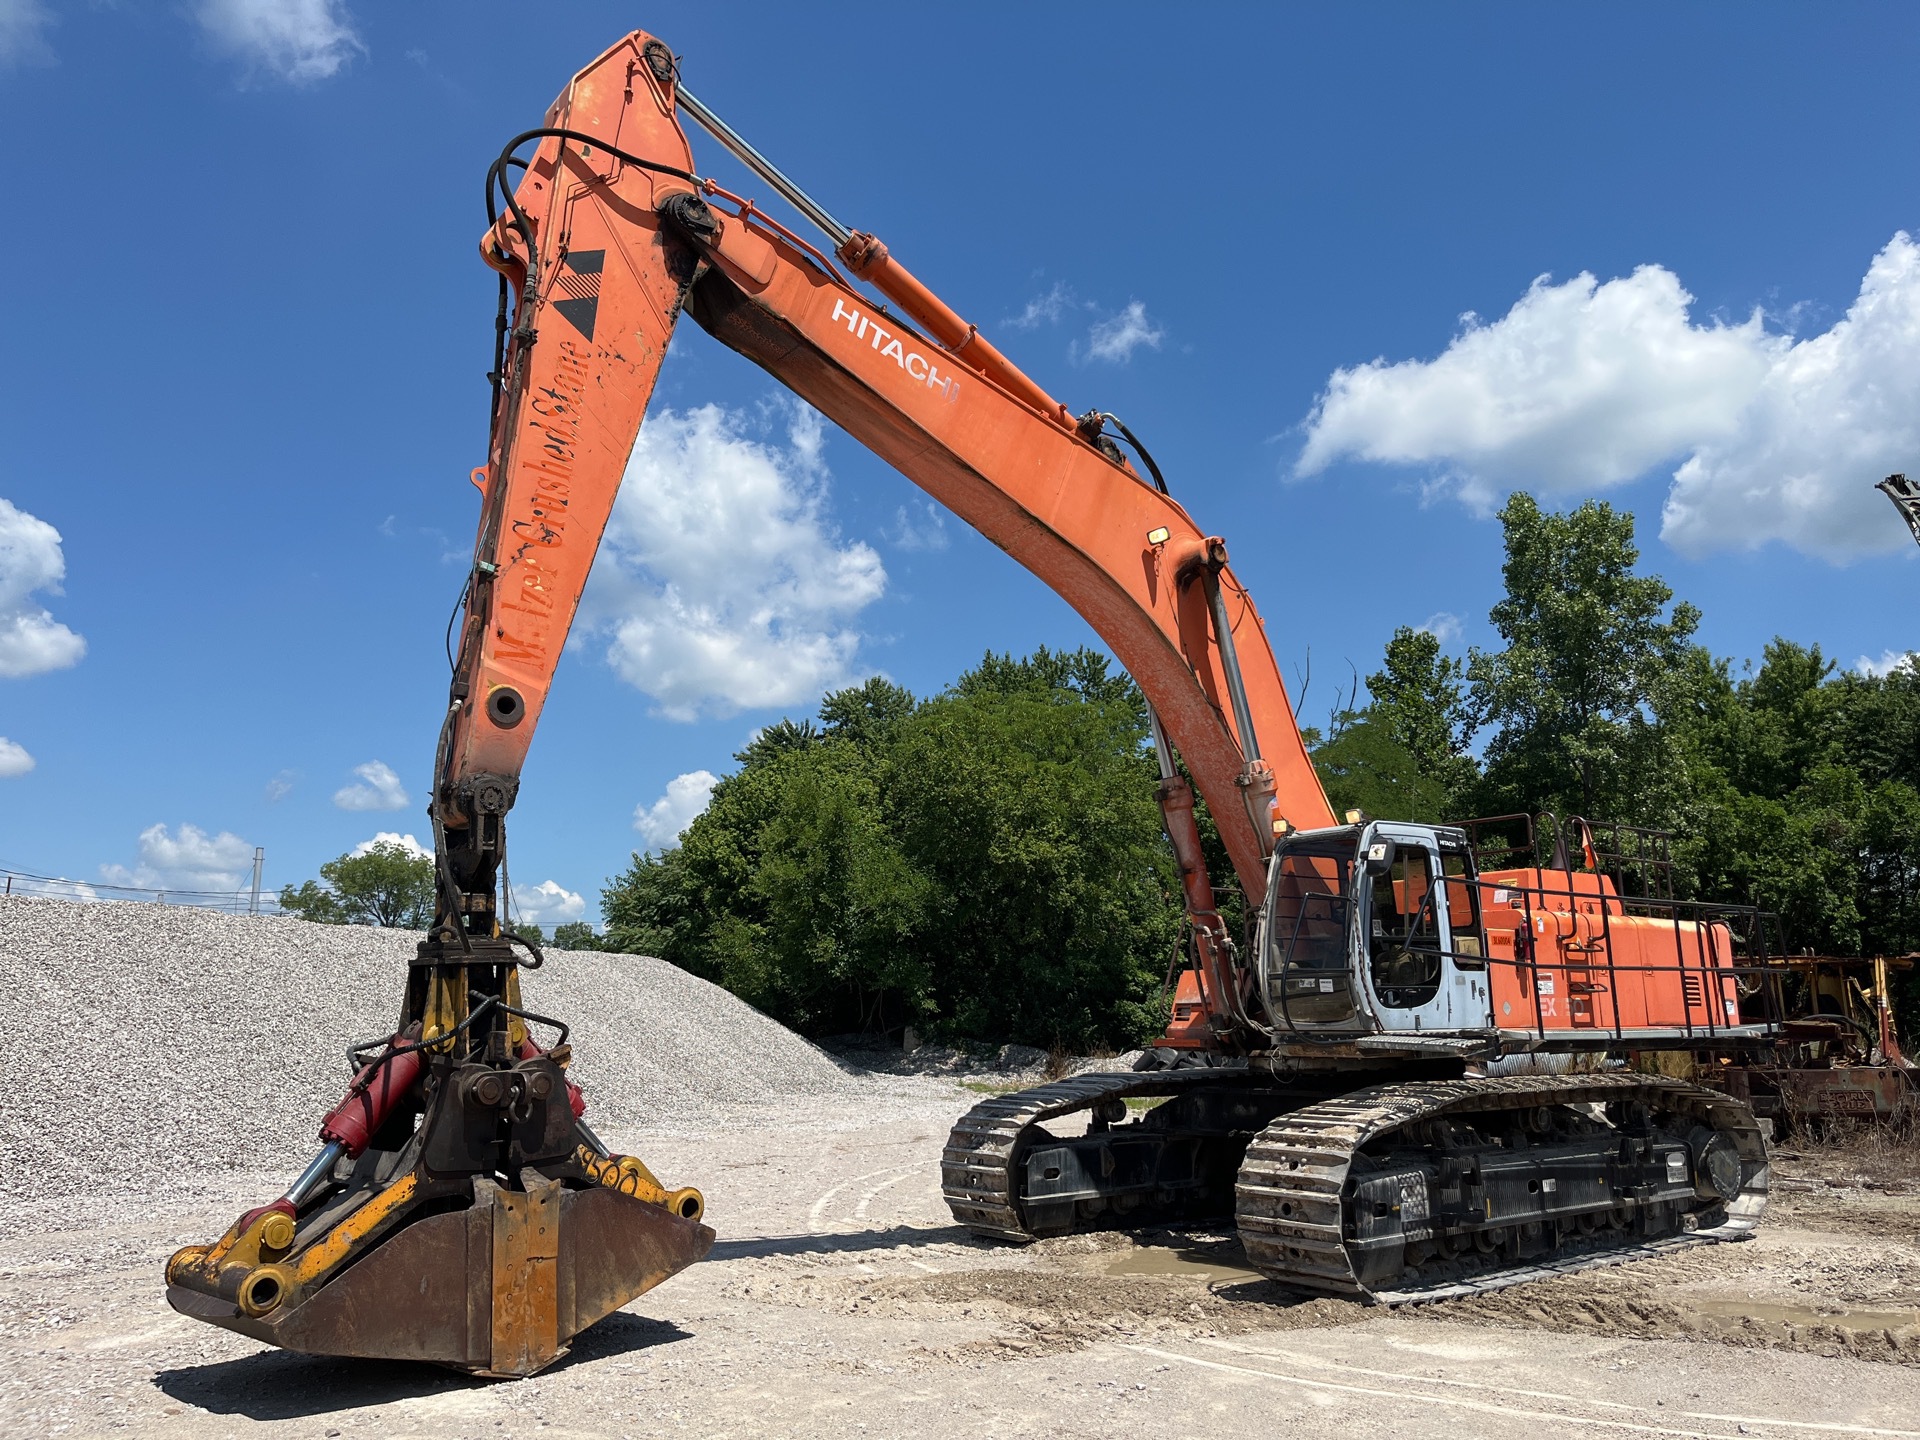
(984, 1150)
(1290, 1198)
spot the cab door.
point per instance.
(1420, 973)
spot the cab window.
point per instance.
(1463, 912)
(1404, 943)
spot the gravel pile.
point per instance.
(154, 1044)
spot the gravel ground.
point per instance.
(160, 1046)
(162, 1076)
(842, 1301)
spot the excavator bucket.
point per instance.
(498, 1288)
(461, 1212)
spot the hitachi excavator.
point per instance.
(1324, 1078)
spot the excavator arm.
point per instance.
(606, 239)
(461, 1210)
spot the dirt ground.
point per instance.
(841, 1301)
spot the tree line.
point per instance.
(988, 863)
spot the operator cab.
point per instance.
(1374, 927)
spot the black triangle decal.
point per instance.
(580, 313)
(586, 262)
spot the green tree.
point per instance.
(1026, 796)
(1591, 659)
(776, 739)
(865, 714)
(988, 864)
(387, 884)
(649, 910)
(1420, 703)
(1365, 767)
(575, 935)
(1800, 797)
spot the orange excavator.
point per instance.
(1324, 1078)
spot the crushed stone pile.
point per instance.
(154, 1044)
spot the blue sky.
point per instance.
(249, 329)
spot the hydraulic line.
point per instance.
(744, 152)
(1159, 480)
(1230, 663)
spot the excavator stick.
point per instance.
(462, 1212)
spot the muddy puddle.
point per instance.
(1769, 1312)
(1617, 1306)
(1204, 1266)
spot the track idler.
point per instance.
(484, 1239)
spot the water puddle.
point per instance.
(1181, 1264)
(1840, 1317)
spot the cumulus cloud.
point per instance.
(1834, 413)
(297, 40)
(662, 822)
(188, 860)
(1889, 661)
(548, 903)
(379, 789)
(921, 526)
(31, 640)
(1443, 625)
(78, 890)
(14, 759)
(1584, 385)
(389, 837)
(1118, 336)
(1043, 309)
(23, 33)
(722, 584)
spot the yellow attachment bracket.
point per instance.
(516, 1027)
(629, 1176)
(243, 1265)
(446, 1003)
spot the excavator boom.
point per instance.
(609, 236)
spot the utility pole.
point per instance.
(259, 860)
(1905, 495)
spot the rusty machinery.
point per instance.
(1837, 1055)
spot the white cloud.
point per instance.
(189, 860)
(31, 640)
(663, 821)
(77, 890)
(379, 789)
(14, 759)
(721, 581)
(1889, 661)
(920, 527)
(1043, 309)
(281, 786)
(1834, 414)
(548, 903)
(23, 33)
(298, 40)
(1443, 625)
(1117, 337)
(389, 837)
(1585, 385)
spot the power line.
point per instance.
(243, 901)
